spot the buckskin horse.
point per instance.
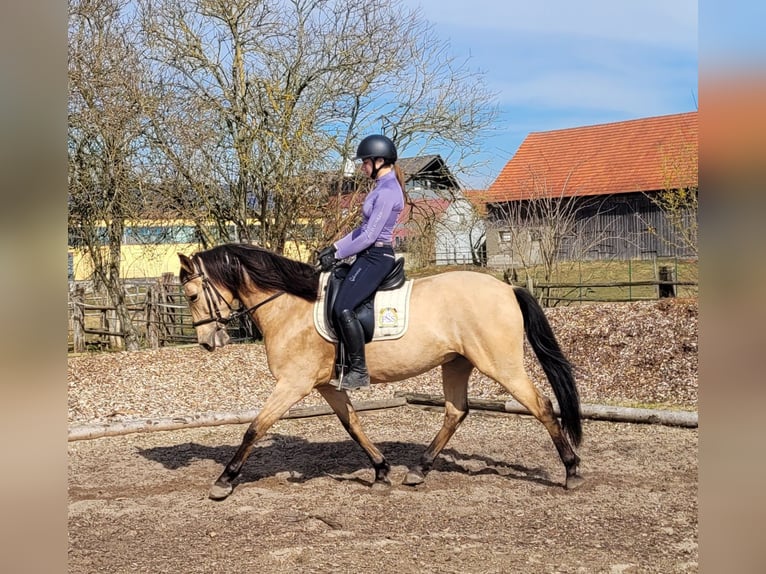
(459, 320)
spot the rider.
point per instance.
(371, 242)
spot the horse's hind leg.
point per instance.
(343, 408)
(541, 408)
(455, 376)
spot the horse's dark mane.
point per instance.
(224, 265)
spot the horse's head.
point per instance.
(210, 304)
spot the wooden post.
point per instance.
(78, 319)
(161, 299)
(86, 432)
(666, 289)
(589, 411)
(169, 312)
(114, 326)
(152, 331)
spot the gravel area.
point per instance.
(304, 502)
(631, 354)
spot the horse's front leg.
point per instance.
(284, 396)
(343, 408)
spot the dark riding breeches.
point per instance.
(368, 271)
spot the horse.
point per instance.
(459, 320)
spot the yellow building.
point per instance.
(150, 249)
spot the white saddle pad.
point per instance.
(391, 312)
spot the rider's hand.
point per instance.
(327, 258)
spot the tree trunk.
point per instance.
(114, 286)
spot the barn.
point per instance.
(620, 190)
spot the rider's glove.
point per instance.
(327, 258)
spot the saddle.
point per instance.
(365, 312)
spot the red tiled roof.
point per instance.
(648, 154)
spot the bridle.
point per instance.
(213, 297)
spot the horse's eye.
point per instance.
(193, 298)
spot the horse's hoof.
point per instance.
(574, 482)
(220, 491)
(413, 478)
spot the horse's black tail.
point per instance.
(556, 366)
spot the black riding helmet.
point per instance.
(376, 146)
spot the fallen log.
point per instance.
(588, 411)
(86, 432)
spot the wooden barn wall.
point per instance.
(621, 226)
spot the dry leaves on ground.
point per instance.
(624, 353)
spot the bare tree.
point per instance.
(548, 227)
(475, 225)
(104, 140)
(420, 233)
(679, 201)
(261, 98)
(681, 208)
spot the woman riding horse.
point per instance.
(371, 243)
(458, 320)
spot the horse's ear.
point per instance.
(186, 264)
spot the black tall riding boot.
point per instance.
(353, 338)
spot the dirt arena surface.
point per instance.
(494, 502)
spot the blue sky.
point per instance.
(558, 64)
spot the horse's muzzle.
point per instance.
(218, 338)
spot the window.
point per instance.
(505, 236)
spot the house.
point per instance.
(440, 231)
(596, 192)
(427, 177)
(461, 236)
(149, 248)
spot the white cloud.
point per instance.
(672, 23)
(636, 58)
(557, 64)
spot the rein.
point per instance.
(214, 309)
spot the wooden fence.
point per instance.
(162, 316)
(158, 311)
(552, 294)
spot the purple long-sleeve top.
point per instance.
(380, 210)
